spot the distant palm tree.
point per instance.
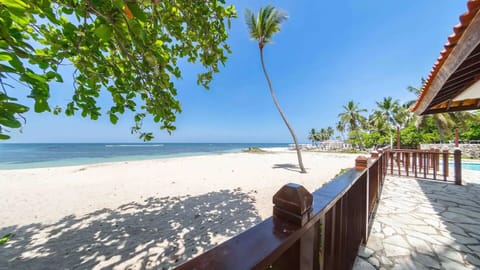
(322, 134)
(353, 118)
(443, 123)
(341, 128)
(261, 28)
(312, 136)
(389, 109)
(377, 123)
(416, 91)
(330, 132)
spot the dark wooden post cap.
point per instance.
(374, 154)
(293, 203)
(361, 163)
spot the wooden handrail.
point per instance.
(322, 230)
(426, 164)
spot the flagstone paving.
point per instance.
(423, 224)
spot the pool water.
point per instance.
(471, 166)
(468, 166)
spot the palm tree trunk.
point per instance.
(360, 140)
(441, 132)
(282, 114)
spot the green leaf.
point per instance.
(3, 240)
(9, 121)
(14, 107)
(43, 64)
(117, 3)
(104, 32)
(5, 56)
(5, 68)
(40, 105)
(17, 64)
(51, 74)
(113, 118)
(15, 4)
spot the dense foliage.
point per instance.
(379, 127)
(129, 48)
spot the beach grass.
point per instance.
(4, 239)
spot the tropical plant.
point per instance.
(129, 48)
(388, 109)
(312, 136)
(262, 28)
(470, 130)
(352, 118)
(341, 128)
(444, 122)
(329, 133)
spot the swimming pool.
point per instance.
(468, 166)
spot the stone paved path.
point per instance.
(424, 224)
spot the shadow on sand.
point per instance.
(158, 233)
(287, 166)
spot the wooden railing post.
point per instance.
(361, 163)
(414, 164)
(457, 159)
(391, 155)
(407, 164)
(445, 164)
(293, 204)
(374, 176)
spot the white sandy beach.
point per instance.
(144, 214)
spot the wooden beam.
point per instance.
(445, 95)
(465, 46)
(453, 109)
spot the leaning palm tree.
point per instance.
(261, 28)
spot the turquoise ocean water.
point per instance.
(36, 155)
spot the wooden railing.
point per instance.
(319, 230)
(426, 164)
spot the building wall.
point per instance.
(468, 150)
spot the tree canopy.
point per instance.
(414, 130)
(129, 48)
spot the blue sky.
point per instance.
(327, 53)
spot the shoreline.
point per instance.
(124, 158)
(102, 162)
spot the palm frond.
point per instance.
(251, 24)
(266, 23)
